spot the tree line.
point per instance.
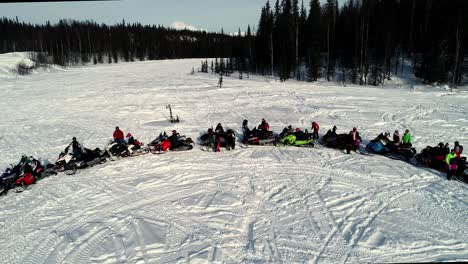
(362, 41)
(357, 41)
(69, 42)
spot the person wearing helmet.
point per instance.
(119, 136)
(131, 141)
(407, 139)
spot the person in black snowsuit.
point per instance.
(245, 129)
(77, 150)
(174, 139)
(219, 129)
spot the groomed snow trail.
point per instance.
(250, 205)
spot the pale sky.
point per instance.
(205, 14)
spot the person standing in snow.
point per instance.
(77, 150)
(220, 82)
(407, 139)
(451, 161)
(355, 141)
(315, 130)
(119, 136)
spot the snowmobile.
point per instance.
(338, 141)
(259, 137)
(293, 140)
(162, 143)
(26, 172)
(69, 164)
(434, 158)
(214, 141)
(394, 152)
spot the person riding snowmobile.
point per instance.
(264, 126)
(300, 135)
(407, 138)
(132, 142)
(119, 136)
(245, 129)
(174, 139)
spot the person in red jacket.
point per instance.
(119, 136)
(315, 130)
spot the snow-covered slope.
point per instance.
(250, 205)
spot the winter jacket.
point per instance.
(315, 126)
(407, 138)
(449, 157)
(118, 134)
(264, 126)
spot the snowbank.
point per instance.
(9, 63)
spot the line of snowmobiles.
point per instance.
(430, 157)
(30, 170)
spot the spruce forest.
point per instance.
(358, 41)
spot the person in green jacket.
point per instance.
(450, 159)
(407, 138)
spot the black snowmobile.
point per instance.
(173, 143)
(381, 145)
(26, 172)
(215, 140)
(69, 164)
(259, 137)
(434, 158)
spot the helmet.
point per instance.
(74, 138)
(441, 144)
(116, 128)
(174, 131)
(245, 121)
(457, 143)
(129, 135)
(387, 133)
(354, 129)
(298, 129)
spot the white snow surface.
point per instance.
(249, 205)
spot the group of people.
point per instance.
(440, 157)
(174, 142)
(217, 138)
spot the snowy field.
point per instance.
(250, 205)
